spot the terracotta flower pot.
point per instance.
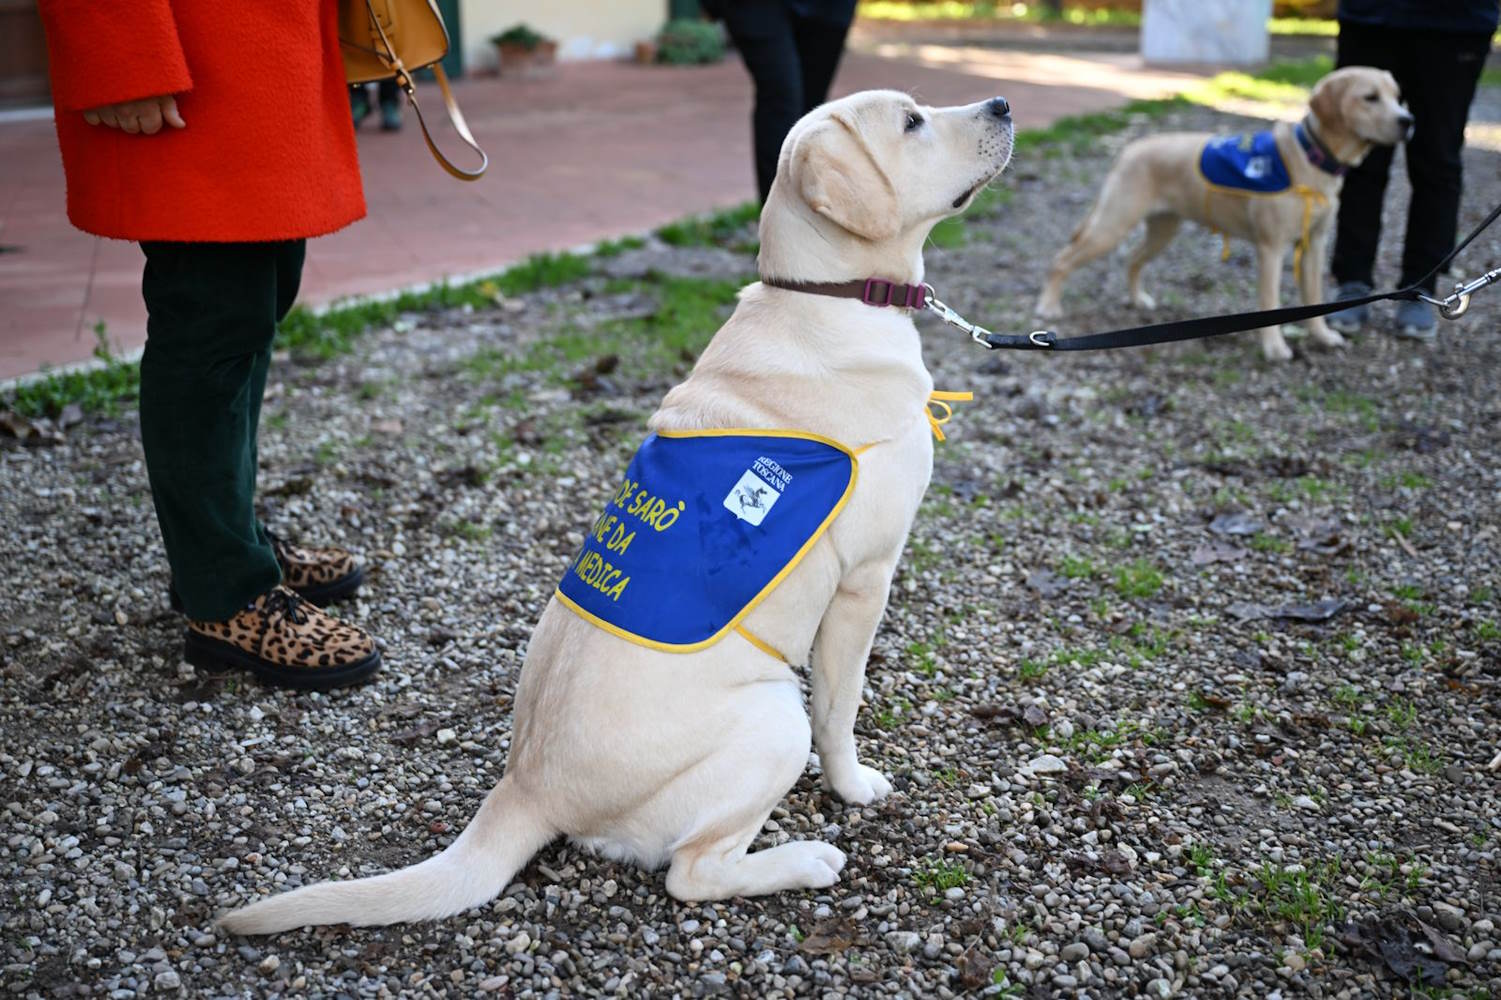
(518, 60)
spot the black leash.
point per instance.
(1451, 307)
(881, 293)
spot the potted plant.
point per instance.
(690, 42)
(523, 51)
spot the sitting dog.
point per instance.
(1278, 189)
(659, 736)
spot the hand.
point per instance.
(144, 116)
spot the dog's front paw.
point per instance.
(1325, 337)
(1048, 309)
(1274, 348)
(863, 785)
(1143, 301)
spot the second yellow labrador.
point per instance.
(678, 757)
(1160, 179)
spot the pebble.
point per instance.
(446, 736)
(1142, 946)
(1047, 764)
(903, 941)
(1076, 952)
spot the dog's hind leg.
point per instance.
(727, 798)
(839, 653)
(1160, 232)
(1108, 222)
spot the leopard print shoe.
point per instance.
(321, 575)
(284, 640)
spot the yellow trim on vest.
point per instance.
(761, 644)
(942, 400)
(775, 581)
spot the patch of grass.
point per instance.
(1487, 631)
(102, 389)
(1303, 897)
(1138, 579)
(1348, 696)
(1029, 669)
(938, 875)
(988, 10)
(1079, 132)
(1201, 856)
(1402, 714)
(1078, 568)
(717, 229)
(331, 333)
(1263, 542)
(470, 531)
(924, 662)
(614, 248)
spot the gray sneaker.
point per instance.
(1417, 321)
(1352, 319)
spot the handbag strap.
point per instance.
(455, 116)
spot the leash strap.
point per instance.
(1451, 307)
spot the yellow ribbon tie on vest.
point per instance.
(941, 400)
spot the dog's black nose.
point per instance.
(999, 106)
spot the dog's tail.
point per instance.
(501, 838)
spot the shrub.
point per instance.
(688, 42)
(520, 35)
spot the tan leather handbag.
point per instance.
(382, 39)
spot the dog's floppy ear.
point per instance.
(839, 179)
(1325, 100)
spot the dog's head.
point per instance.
(1360, 104)
(870, 175)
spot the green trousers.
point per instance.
(212, 310)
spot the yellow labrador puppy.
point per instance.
(678, 757)
(1280, 190)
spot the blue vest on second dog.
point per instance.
(1249, 163)
(704, 526)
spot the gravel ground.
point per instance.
(1127, 761)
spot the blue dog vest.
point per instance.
(703, 527)
(1249, 163)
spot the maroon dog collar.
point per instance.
(871, 291)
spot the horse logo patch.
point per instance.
(758, 490)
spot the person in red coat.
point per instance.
(220, 140)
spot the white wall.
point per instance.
(584, 29)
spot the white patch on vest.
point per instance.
(1258, 167)
(758, 490)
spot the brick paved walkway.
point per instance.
(599, 150)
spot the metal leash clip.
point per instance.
(1457, 302)
(977, 333)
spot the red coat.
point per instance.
(268, 152)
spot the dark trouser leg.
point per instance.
(820, 44)
(1357, 232)
(762, 30)
(1438, 91)
(212, 311)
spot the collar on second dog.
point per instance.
(1318, 154)
(871, 291)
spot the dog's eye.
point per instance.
(914, 121)
(1372, 97)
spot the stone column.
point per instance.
(1205, 31)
